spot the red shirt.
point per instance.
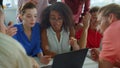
(111, 44)
(93, 38)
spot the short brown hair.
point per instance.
(94, 9)
(28, 5)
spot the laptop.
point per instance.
(74, 59)
(48, 66)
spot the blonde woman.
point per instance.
(12, 54)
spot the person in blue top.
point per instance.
(31, 43)
(28, 32)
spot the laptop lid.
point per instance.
(74, 59)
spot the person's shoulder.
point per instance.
(114, 27)
(18, 25)
(37, 24)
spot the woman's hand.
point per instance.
(34, 63)
(86, 20)
(45, 59)
(73, 43)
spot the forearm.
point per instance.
(105, 64)
(48, 52)
(76, 47)
(74, 44)
(2, 27)
(83, 40)
(86, 22)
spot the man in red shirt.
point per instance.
(109, 19)
(94, 37)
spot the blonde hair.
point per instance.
(12, 54)
(111, 8)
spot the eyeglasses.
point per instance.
(56, 20)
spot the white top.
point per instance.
(56, 46)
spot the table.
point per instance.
(90, 63)
(87, 64)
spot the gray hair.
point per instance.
(12, 54)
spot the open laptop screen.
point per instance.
(74, 59)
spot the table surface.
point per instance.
(87, 64)
(90, 63)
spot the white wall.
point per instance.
(10, 15)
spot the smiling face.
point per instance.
(103, 22)
(29, 17)
(56, 20)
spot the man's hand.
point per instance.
(95, 54)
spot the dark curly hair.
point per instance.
(64, 12)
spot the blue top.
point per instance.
(32, 46)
